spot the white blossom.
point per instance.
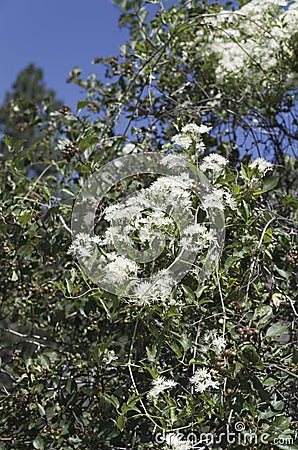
(109, 356)
(120, 269)
(218, 198)
(261, 165)
(214, 341)
(201, 235)
(82, 246)
(213, 162)
(161, 384)
(193, 128)
(251, 40)
(129, 148)
(184, 141)
(153, 291)
(202, 380)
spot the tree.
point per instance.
(26, 111)
(133, 360)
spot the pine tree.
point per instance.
(26, 106)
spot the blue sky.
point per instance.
(56, 36)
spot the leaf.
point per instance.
(185, 341)
(237, 256)
(112, 400)
(276, 329)
(7, 141)
(69, 285)
(249, 354)
(151, 353)
(24, 218)
(188, 292)
(281, 423)
(268, 185)
(38, 443)
(81, 104)
(268, 236)
(264, 314)
(283, 273)
(121, 422)
(41, 409)
(175, 349)
(14, 276)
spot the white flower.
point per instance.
(193, 128)
(184, 141)
(261, 165)
(229, 200)
(213, 162)
(112, 211)
(109, 356)
(159, 385)
(213, 200)
(96, 239)
(249, 39)
(215, 342)
(201, 234)
(84, 252)
(217, 199)
(202, 380)
(120, 269)
(153, 291)
(129, 148)
(82, 246)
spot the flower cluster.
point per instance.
(161, 384)
(202, 380)
(214, 342)
(253, 39)
(141, 225)
(146, 293)
(191, 134)
(213, 162)
(218, 198)
(261, 166)
(83, 245)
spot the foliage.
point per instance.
(85, 368)
(24, 116)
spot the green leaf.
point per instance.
(276, 329)
(7, 141)
(38, 443)
(121, 422)
(188, 292)
(112, 400)
(237, 256)
(151, 353)
(268, 185)
(249, 354)
(81, 104)
(264, 314)
(41, 409)
(175, 349)
(283, 273)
